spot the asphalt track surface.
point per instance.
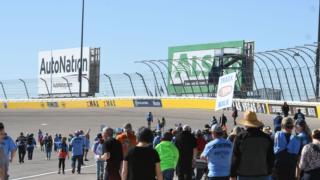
(67, 121)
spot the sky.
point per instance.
(133, 30)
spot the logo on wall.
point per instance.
(92, 104)
(250, 106)
(110, 103)
(147, 103)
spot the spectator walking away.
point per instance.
(87, 147)
(310, 158)
(157, 138)
(127, 139)
(40, 139)
(234, 115)
(213, 121)
(187, 146)
(200, 164)
(63, 153)
(159, 125)
(277, 122)
(285, 109)
(22, 147)
(97, 151)
(223, 120)
(234, 133)
(112, 153)
(142, 161)
(218, 153)
(31, 144)
(163, 122)
(149, 119)
(253, 156)
(169, 156)
(286, 149)
(303, 131)
(48, 143)
(57, 141)
(9, 149)
(77, 143)
(299, 116)
(3, 172)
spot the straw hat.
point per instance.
(250, 120)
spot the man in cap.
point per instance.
(8, 150)
(187, 146)
(253, 155)
(77, 143)
(127, 139)
(218, 153)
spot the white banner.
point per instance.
(225, 91)
(58, 71)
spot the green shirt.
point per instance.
(169, 155)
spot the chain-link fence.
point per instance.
(286, 74)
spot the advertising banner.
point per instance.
(147, 103)
(308, 111)
(250, 106)
(225, 91)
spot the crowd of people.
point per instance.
(251, 151)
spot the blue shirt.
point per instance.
(219, 153)
(156, 141)
(281, 143)
(8, 146)
(77, 144)
(304, 138)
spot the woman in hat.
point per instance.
(310, 158)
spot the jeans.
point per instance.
(100, 170)
(48, 154)
(78, 158)
(22, 153)
(30, 152)
(168, 174)
(254, 178)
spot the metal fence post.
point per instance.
(4, 91)
(154, 74)
(134, 92)
(264, 85)
(107, 76)
(144, 83)
(204, 77)
(25, 87)
(164, 81)
(45, 82)
(68, 85)
(284, 69)
(265, 64)
(174, 88)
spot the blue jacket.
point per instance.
(280, 143)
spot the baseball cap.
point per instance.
(216, 128)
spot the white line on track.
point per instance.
(49, 173)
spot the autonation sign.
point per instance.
(58, 71)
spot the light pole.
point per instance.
(81, 49)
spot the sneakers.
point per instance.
(72, 171)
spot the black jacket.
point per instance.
(252, 154)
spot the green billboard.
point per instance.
(189, 66)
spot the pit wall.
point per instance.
(310, 109)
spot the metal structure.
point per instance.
(284, 74)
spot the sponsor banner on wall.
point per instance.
(250, 106)
(225, 91)
(308, 111)
(147, 103)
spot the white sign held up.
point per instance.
(225, 91)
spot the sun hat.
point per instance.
(250, 120)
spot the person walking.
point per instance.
(285, 109)
(213, 121)
(48, 143)
(149, 119)
(218, 154)
(310, 158)
(223, 120)
(169, 156)
(31, 144)
(63, 153)
(77, 146)
(127, 139)
(98, 152)
(253, 156)
(187, 146)
(234, 115)
(277, 122)
(9, 148)
(56, 141)
(299, 116)
(286, 149)
(22, 146)
(40, 139)
(142, 161)
(200, 164)
(112, 153)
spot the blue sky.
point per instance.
(129, 30)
